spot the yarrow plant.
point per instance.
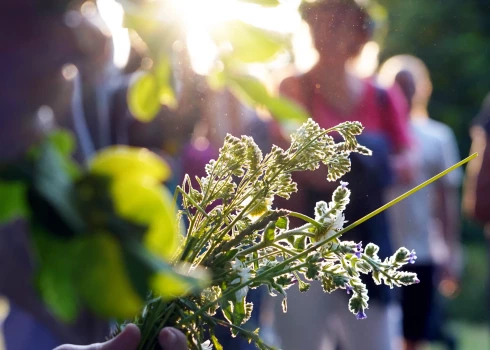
(236, 234)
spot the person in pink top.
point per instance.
(332, 95)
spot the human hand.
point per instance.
(169, 339)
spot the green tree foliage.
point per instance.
(453, 38)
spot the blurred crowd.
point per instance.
(58, 71)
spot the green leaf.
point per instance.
(142, 20)
(165, 280)
(300, 243)
(144, 98)
(250, 44)
(102, 279)
(264, 3)
(63, 140)
(216, 342)
(282, 223)
(252, 92)
(269, 232)
(54, 185)
(216, 79)
(56, 258)
(286, 110)
(12, 201)
(238, 314)
(157, 31)
(249, 90)
(163, 74)
(227, 309)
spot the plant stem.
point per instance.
(283, 249)
(290, 233)
(306, 218)
(194, 203)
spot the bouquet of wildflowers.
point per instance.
(239, 241)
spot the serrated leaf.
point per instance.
(144, 97)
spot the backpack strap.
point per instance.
(383, 103)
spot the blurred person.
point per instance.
(57, 71)
(427, 221)
(476, 191)
(35, 95)
(332, 95)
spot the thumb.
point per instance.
(172, 339)
(129, 339)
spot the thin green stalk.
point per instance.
(290, 233)
(406, 194)
(168, 313)
(253, 248)
(262, 257)
(152, 321)
(219, 239)
(198, 207)
(306, 218)
(265, 244)
(283, 249)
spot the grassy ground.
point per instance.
(469, 337)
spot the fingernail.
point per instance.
(167, 338)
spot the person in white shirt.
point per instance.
(427, 221)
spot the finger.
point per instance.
(172, 339)
(129, 339)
